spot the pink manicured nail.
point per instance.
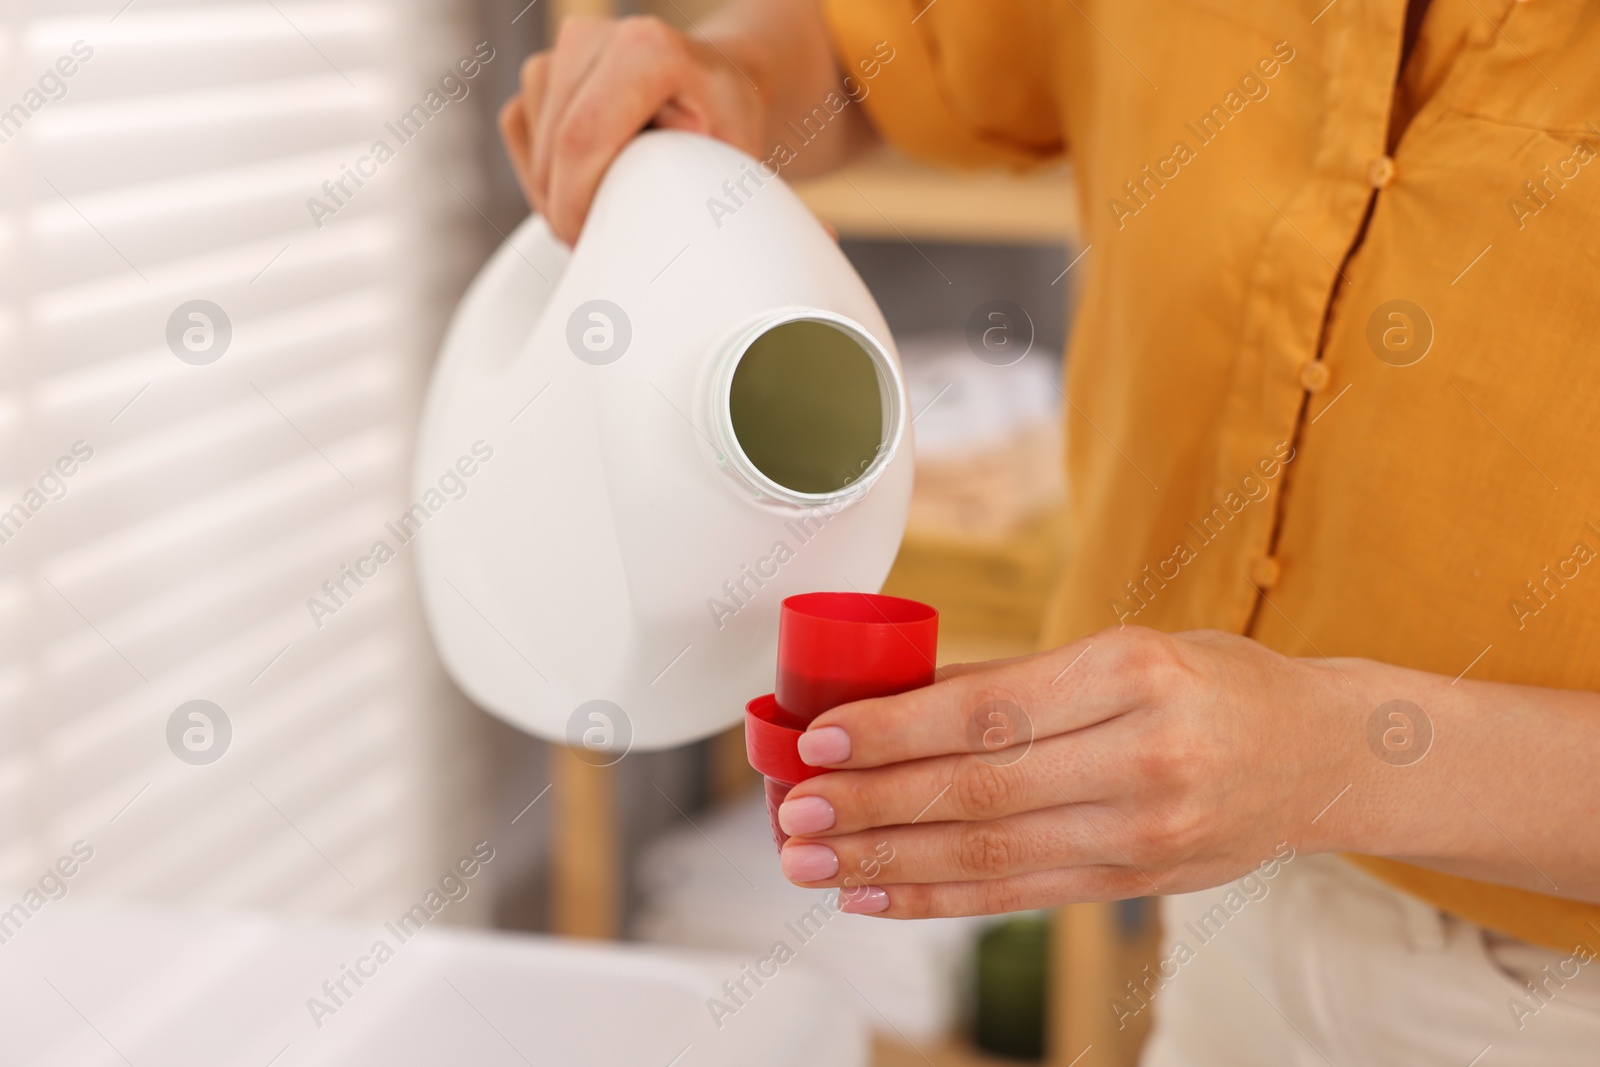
(805, 815)
(809, 863)
(824, 746)
(863, 900)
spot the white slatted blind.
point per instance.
(176, 165)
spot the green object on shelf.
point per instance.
(1012, 972)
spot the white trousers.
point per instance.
(1328, 967)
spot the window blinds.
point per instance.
(206, 404)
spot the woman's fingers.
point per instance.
(517, 121)
(1039, 840)
(519, 144)
(957, 670)
(1021, 892)
(605, 80)
(643, 67)
(579, 44)
(991, 711)
(1083, 765)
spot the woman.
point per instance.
(1328, 623)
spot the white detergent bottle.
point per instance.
(630, 453)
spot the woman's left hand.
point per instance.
(1129, 763)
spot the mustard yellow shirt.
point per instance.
(1332, 388)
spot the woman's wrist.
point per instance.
(1413, 749)
(1376, 737)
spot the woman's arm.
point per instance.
(1135, 762)
(758, 64)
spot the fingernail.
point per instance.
(805, 815)
(824, 746)
(864, 900)
(809, 863)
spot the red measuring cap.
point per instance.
(833, 648)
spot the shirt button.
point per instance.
(1265, 572)
(1381, 172)
(1314, 376)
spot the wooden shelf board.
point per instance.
(887, 196)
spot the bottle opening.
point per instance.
(813, 406)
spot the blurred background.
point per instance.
(219, 479)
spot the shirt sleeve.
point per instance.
(964, 83)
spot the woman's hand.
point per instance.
(603, 82)
(1130, 763)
